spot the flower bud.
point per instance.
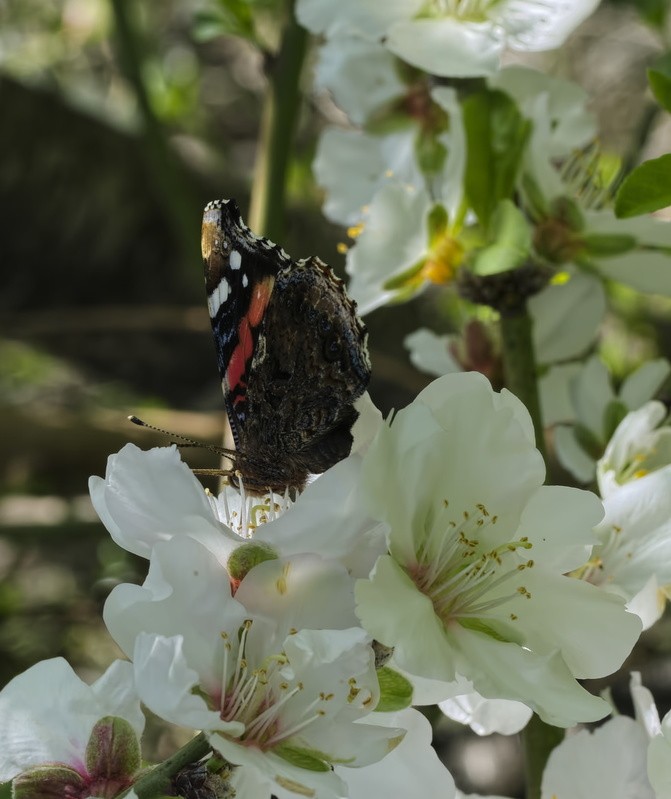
(112, 756)
(48, 782)
(245, 557)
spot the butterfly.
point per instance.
(291, 350)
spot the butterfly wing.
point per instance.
(240, 273)
(311, 364)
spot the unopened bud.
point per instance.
(48, 782)
(246, 556)
(113, 756)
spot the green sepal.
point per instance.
(535, 201)
(613, 414)
(309, 759)
(646, 189)
(395, 691)
(436, 223)
(511, 237)
(48, 782)
(604, 245)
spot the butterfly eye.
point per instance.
(332, 348)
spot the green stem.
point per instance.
(519, 363)
(280, 113)
(158, 781)
(172, 192)
(519, 366)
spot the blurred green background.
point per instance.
(119, 122)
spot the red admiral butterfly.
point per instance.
(292, 353)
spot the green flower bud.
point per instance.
(48, 782)
(247, 556)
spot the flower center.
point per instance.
(461, 577)
(443, 261)
(259, 697)
(243, 512)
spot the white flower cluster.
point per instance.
(256, 621)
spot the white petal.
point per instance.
(278, 774)
(555, 393)
(361, 16)
(637, 533)
(646, 271)
(348, 166)
(330, 517)
(393, 240)
(644, 705)
(486, 716)
(567, 317)
(609, 763)
(166, 684)
(116, 693)
(360, 73)
(659, 760)
(534, 26)
(564, 111)
(367, 424)
(572, 456)
(448, 47)
(543, 682)
(649, 603)
(411, 769)
(591, 392)
(590, 627)
(395, 613)
(430, 353)
(305, 591)
(186, 592)
(635, 441)
(645, 382)
(47, 714)
(151, 496)
(558, 521)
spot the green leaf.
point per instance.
(496, 134)
(511, 245)
(303, 758)
(395, 691)
(646, 189)
(660, 83)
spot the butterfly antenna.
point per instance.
(189, 441)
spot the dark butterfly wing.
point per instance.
(292, 352)
(310, 366)
(240, 273)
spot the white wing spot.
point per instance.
(235, 259)
(218, 297)
(245, 281)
